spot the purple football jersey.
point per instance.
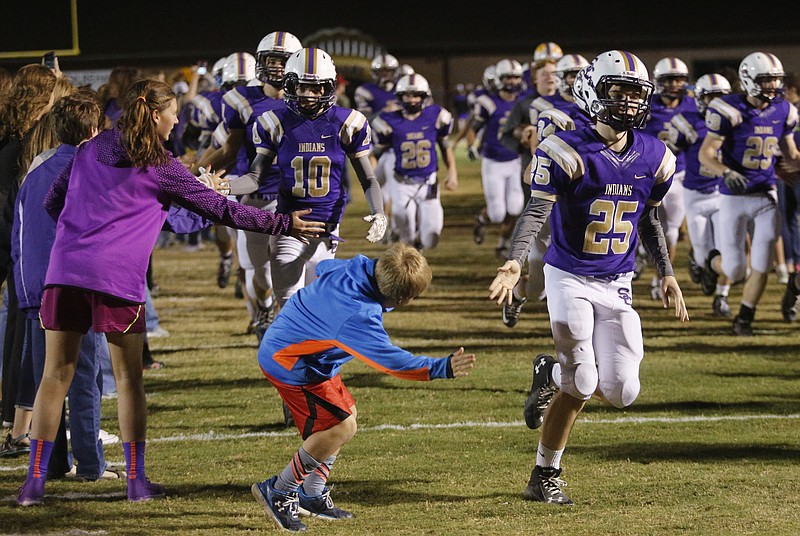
(492, 111)
(691, 129)
(312, 155)
(659, 123)
(414, 140)
(371, 99)
(566, 116)
(206, 110)
(751, 137)
(599, 197)
(239, 106)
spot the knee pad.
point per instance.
(585, 379)
(622, 393)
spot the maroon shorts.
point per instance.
(316, 407)
(75, 309)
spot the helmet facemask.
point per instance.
(622, 103)
(776, 93)
(269, 68)
(310, 106)
(412, 107)
(672, 87)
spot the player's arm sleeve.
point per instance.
(369, 183)
(250, 181)
(528, 226)
(365, 339)
(652, 236)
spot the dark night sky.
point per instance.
(168, 31)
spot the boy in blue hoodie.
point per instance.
(326, 324)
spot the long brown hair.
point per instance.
(139, 135)
(42, 136)
(23, 104)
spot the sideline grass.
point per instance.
(666, 465)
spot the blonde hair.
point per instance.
(402, 273)
(23, 103)
(139, 135)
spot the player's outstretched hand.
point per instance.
(304, 229)
(507, 276)
(461, 363)
(671, 291)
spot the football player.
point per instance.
(598, 184)
(749, 130)
(413, 133)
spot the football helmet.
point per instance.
(759, 68)
(615, 69)
(566, 66)
(384, 69)
(547, 51)
(239, 68)
(412, 84)
(506, 69)
(279, 45)
(667, 69)
(216, 70)
(405, 69)
(310, 66)
(709, 86)
(489, 80)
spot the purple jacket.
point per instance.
(109, 216)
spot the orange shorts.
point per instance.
(318, 406)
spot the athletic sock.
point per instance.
(134, 458)
(314, 483)
(723, 290)
(40, 458)
(296, 471)
(548, 458)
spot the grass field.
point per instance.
(709, 448)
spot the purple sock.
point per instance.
(134, 459)
(40, 458)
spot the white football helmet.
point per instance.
(506, 69)
(384, 69)
(310, 66)
(405, 69)
(566, 66)
(489, 80)
(708, 87)
(216, 70)
(412, 84)
(614, 68)
(759, 68)
(279, 45)
(670, 68)
(547, 51)
(240, 67)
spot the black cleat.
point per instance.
(742, 327)
(511, 312)
(790, 300)
(479, 229)
(224, 270)
(695, 270)
(264, 318)
(708, 279)
(545, 486)
(542, 391)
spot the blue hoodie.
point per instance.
(334, 319)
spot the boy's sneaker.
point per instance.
(32, 492)
(141, 489)
(281, 506)
(742, 327)
(545, 486)
(708, 280)
(721, 307)
(511, 312)
(542, 391)
(321, 506)
(790, 300)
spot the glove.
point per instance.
(735, 181)
(472, 154)
(377, 227)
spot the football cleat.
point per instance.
(280, 505)
(321, 506)
(742, 327)
(790, 300)
(708, 279)
(479, 229)
(545, 486)
(695, 270)
(655, 290)
(511, 312)
(264, 318)
(224, 270)
(542, 391)
(721, 307)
